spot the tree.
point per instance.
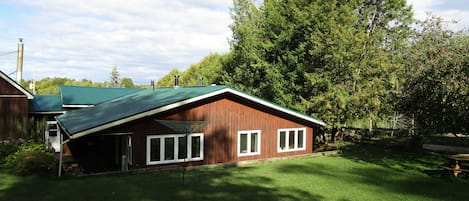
(115, 80)
(127, 82)
(168, 80)
(209, 69)
(331, 59)
(436, 91)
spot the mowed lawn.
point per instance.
(362, 173)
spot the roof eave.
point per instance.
(17, 85)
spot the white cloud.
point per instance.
(449, 10)
(145, 38)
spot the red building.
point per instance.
(184, 125)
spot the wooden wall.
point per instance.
(13, 111)
(225, 116)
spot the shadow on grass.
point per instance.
(395, 157)
(374, 170)
(209, 184)
(418, 185)
(407, 171)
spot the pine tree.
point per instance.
(115, 81)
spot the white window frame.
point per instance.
(287, 139)
(176, 148)
(249, 132)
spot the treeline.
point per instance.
(51, 85)
(345, 61)
(207, 71)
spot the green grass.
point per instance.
(360, 173)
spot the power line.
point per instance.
(7, 53)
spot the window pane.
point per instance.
(155, 149)
(291, 139)
(196, 149)
(300, 139)
(182, 151)
(52, 128)
(254, 142)
(282, 139)
(243, 138)
(53, 132)
(169, 148)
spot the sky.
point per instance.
(145, 39)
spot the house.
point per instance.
(14, 108)
(116, 129)
(183, 126)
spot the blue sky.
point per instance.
(145, 39)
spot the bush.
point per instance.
(31, 158)
(7, 148)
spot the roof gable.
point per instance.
(78, 96)
(15, 85)
(146, 103)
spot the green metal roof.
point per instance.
(144, 100)
(46, 103)
(147, 102)
(77, 95)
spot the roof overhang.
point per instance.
(186, 102)
(17, 86)
(51, 112)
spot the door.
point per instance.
(126, 158)
(52, 135)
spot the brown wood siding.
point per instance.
(7, 89)
(13, 117)
(225, 116)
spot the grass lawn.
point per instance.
(363, 173)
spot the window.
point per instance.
(249, 142)
(52, 128)
(197, 147)
(176, 148)
(292, 139)
(155, 149)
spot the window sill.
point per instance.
(248, 154)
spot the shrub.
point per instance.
(7, 148)
(30, 158)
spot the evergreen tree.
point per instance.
(332, 59)
(115, 80)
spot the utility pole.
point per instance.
(19, 61)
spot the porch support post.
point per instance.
(60, 156)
